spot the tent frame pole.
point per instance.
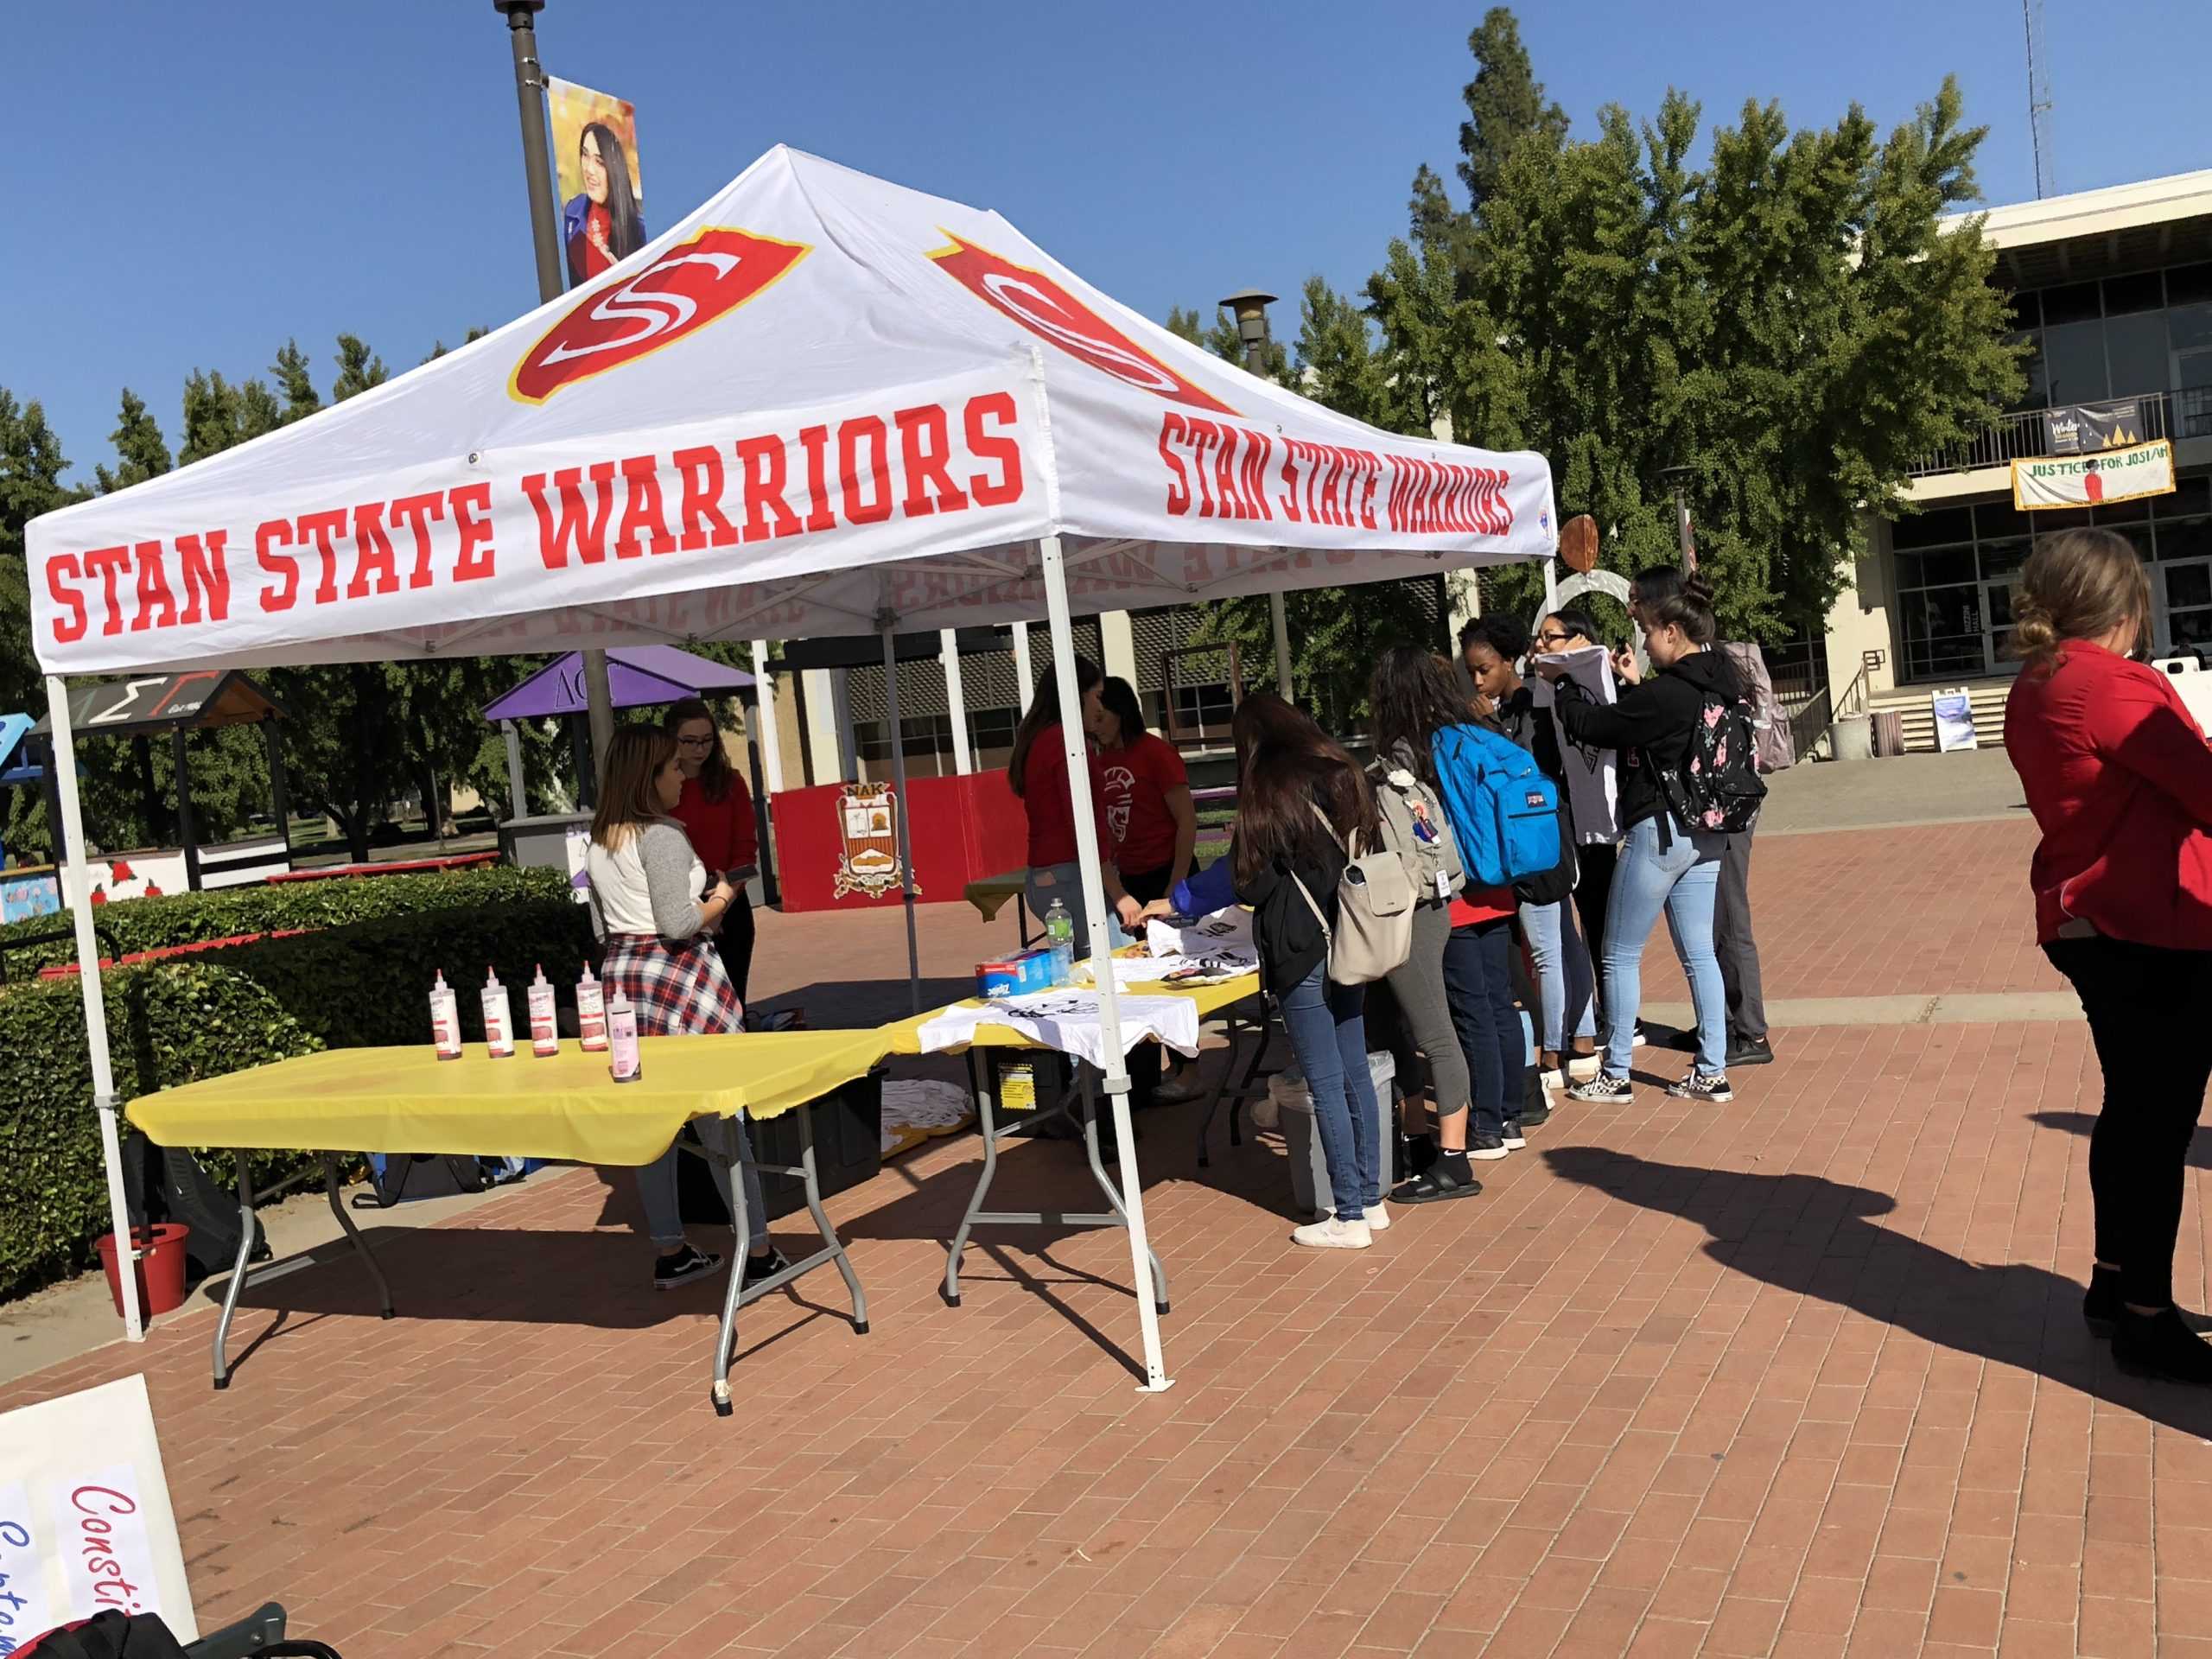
(886, 621)
(956, 699)
(76, 885)
(1116, 1080)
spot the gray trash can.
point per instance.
(1852, 738)
(1309, 1171)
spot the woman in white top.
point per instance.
(652, 904)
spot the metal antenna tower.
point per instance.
(2039, 99)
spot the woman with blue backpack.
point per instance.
(1301, 801)
(1680, 746)
(1484, 782)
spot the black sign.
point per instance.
(2084, 428)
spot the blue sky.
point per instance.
(210, 180)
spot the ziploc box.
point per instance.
(1016, 975)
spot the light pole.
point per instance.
(545, 236)
(1677, 479)
(1250, 306)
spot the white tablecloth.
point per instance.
(1068, 1020)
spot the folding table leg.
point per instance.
(361, 1245)
(232, 1291)
(741, 1225)
(1112, 1195)
(984, 1083)
(835, 1245)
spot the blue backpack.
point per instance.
(1504, 811)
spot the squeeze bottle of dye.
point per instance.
(622, 1039)
(591, 1013)
(445, 1019)
(498, 1019)
(544, 1033)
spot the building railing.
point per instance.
(2183, 414)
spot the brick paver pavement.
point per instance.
(1803, 1376)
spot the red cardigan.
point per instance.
(721, 832)
(2119, 779)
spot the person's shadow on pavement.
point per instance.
(1816, 1237)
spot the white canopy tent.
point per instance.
(820, 403)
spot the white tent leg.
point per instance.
(76, 875)
(764, 688)
(956, 699)
(898, 815)
(1023, 679)
(1102, 947)
(1279, 614)
(599, 699)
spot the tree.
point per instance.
(296, 382)
(1505, 104)
(357, 370)
(141, 453)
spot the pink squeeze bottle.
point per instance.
(498, 1019)
(445, 1019)
(544, 1031)
(622, 1039)
(591, 1013)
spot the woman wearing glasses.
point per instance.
(716, 812)
(1572, 629)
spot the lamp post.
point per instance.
(1677, 479)
(1250, 306)
(545, 237)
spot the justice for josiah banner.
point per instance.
(2086, 480)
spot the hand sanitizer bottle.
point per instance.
(545, 1030)
(498, 1019)
(591, 1013)
(445, 1019)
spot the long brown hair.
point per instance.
(1286, 767)
(714, 771)
(2079, 584)
(628, 800)
(1412, 696)
(1044, 713)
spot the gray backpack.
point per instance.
(1374, 932)
(1404, 802)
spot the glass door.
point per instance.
(1996, 625)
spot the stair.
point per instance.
(1911, 701)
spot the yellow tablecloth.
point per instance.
(988, 893)
(904, 1037)
(408, 1100)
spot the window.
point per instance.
(2143, 291)
(2135, 351)
(2074, 359)
(2076, 303)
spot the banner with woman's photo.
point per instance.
(595, 168)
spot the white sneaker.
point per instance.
(1377, 1216)
(1329, 1234)
(1581, 1067)
(1553, 1081)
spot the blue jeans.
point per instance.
(1684, 879)
(1565, 984)
(1328, 1035)
(1479, 981)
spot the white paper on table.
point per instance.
(1214, 967)
(1068, 1020)
(1593, 775)
(85, 1517)
(1207, 935)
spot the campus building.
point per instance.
(2113, 290)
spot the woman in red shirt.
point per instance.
(1038, 774)
(2119, 779)
(716, 812)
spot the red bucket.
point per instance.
(159, 1268)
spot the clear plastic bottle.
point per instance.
(1060, 928)
(498, 1019)
(545, 1028)
(591, 1013)
(445, 1019)
(623, 1064)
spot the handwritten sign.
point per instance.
(84, 1518)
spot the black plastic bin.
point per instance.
(847, 1150)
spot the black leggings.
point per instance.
(737, 942)
(2146, 1005)
(1593, 887)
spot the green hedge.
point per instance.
(169, 1022)
(176, 918)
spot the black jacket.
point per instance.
(1285, 930)
(1650, 725)
(1522, 720)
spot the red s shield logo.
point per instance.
(680, 293)
(1049, 311)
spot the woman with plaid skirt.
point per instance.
(653, 904)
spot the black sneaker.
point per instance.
(1602, 1090)
(1750, 1050)
(1709, 1087)
(2100, 1308)
(2161, 1345)
(1486, 1148)
(681, 1267)
(1535, 1114)
(1420, 1154)
(758, 1268)
(1511, 1136)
